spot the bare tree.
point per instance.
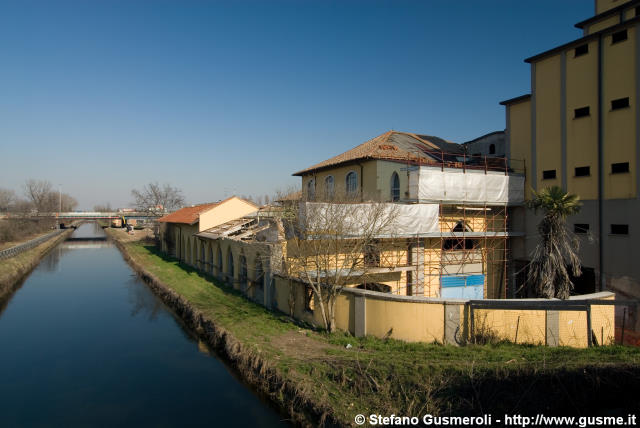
(331, 246)
(37, 191)
(7, 199)
(103, 208)
(55, 201)
(68, 202)
(157, 199)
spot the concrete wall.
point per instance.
(416, 319)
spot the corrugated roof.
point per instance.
(188, 215)
(394, 145)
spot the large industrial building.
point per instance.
(578, 129)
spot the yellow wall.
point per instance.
(630, 13)
(413, 322)
(376, 179)
(516, 326)
(520, 138)
(582, 133)
(424, 321)
(548, 128)
(619, 125)
(604, 5)
(230, 209)
(384, 173)
(603, 23)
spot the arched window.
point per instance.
(203, 261)
(395, 187)
(259, 275)
(311, 190)
(230, 265)
(258, 280)
(329, 188)
(461, 242)
(219, 262)
(242, 272)
(352, 183)
(492, 149)
(211, 258)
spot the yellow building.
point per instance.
(465, 199)
(578, 129)
(178, 230)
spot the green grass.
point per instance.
(391, 376)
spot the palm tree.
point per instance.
(558, 247)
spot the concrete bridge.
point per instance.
(100, 215)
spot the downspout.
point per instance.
(600, 167)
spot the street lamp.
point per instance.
(59, 203)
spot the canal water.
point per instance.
(83, 342)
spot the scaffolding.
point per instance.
(468, 258)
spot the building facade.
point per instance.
(453, 239)
(578, 129)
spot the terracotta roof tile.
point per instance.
(187, 215)
(394, 145)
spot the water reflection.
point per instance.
(85, 343)
(142, 301)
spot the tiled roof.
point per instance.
(187, 215)
(397, 146)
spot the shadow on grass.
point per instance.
(226, 288)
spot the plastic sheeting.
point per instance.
(355, 219)
(455, 185)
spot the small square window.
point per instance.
(620, 36)
(581, 50)
(583, 171)
(620, 103)
(549, 174)
(619, 168)
(619, 229)
(581, 228)
(581, 112)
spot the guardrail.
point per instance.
(14, 251)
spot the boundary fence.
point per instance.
(14, 251)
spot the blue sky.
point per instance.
(222, 98)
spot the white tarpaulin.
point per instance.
(455, 185)
(379, 219)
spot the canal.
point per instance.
(84, 342)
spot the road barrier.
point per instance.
(14, 251)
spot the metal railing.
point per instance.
(14, 251)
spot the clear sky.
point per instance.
(221, 98)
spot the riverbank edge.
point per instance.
(17, 268)
(253, 369)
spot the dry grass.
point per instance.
(14, 269)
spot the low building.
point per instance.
(178, 230)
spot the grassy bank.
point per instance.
(15, 231)
(301, 368)
(14, 269)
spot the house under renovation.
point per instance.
(451, 233)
